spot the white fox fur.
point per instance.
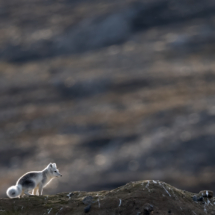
(33, 181)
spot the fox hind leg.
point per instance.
(28, 186)
(26, 192)
(35, 191)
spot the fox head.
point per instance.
(53, 170)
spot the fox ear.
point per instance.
(54, 165)
(50, 165)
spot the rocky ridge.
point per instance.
(135, 198)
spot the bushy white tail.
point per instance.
(14, 191)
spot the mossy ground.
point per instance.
(130, 199)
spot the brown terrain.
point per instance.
(135, 198)
(112, 91)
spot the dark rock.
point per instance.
(200, 199)
(206, 193)
(87, 209)
(148, 208)
(88, 200)
(70, 195)
(195, 199)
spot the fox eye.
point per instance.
(55, 171)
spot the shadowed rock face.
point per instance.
(142, 198)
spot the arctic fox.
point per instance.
(33, 181)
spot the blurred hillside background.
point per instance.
(111, 90)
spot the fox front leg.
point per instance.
(40, 190)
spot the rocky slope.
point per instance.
(135, 103)
(134, 198)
